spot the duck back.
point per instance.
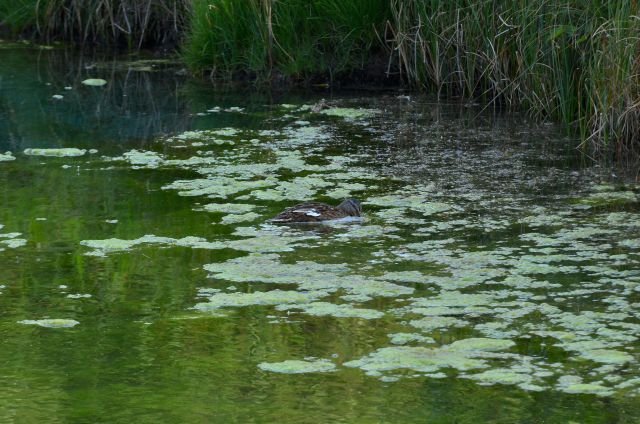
(309, 212)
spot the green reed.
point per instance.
(129, 23)
(295, 38)
(571, 61)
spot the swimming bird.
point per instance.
(316, 212)
(320, 106)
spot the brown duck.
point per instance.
(316, 212)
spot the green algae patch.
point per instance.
(420, 359)
(406, 277)
(480, 344)
(630, 243)
(438, 322)
(229, 208)
(6, 157)
(463, 355)
(51, 322)
(62, 152)
(142, 159)
(78, 296)
(273, 297)
(267, 268)
(350, 114)
(344, 310)
(573, 384)
(236, 218)
(293, 366)
(263, 243)
(405, 338)
(417, 203)
(307, 275)
(206, 136)
(14, 243)
(607, 356)
(94, 82)
(584, 388)
(502, 376)
(11, 240)
(604, 195)
(454, 299)
(102, 247)
(215, 187)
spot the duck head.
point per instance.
(351, 207)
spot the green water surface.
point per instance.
(494, 277)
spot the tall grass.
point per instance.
(575, 61)
(129, 23)
(296, 38)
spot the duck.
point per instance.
(317, 212)
(320, 106)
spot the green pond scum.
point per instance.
(493, 277)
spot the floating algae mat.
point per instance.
(492, 274)
(51, 323)
(62, 152)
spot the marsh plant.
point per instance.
(296, 38)
(574, 62)
(129, 23)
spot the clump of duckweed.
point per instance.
(51, 322)
(62, 152)
(78, 296)
(11, 240)
(262, 243)
(293, 366)
(307, 275)
(405, 338)
(463, 357)
(414, 202)
(14, 243)
(102, 247)
(573, 384)
(604, 195)
(206, 136)
(219, 187)
(343, 310)
(607, 356)
(273, 297)
(94, 82)
(351, 114)
(6, 156)
(142, 159)
(230, 208)
(236, 218)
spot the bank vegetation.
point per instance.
(572, 61)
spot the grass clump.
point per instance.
(294, 38)
(115, 23)
(571, 61)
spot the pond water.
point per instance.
(493, 278)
